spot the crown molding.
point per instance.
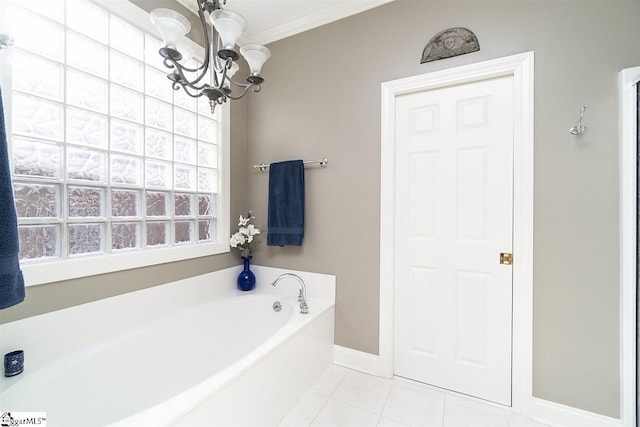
(315, 19)
(307, 22)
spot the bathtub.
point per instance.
(191, 353)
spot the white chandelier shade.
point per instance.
(230, 26)
(172, 25)
(255, 55)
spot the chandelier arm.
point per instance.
(172, 63)
(185, 83)
(169, 62)
(256, 88)
(178, 85)
(243, 85)
(185, 68)
(192, 70)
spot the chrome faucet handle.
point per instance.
(302, 295)
(304, 308)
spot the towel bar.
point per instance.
(323, 162)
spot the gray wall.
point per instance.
(322, 97)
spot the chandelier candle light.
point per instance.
(219, 62)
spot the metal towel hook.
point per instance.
(579, 129)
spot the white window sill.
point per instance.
(49, 272)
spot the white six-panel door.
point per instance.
(454, 203)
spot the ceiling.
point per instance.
(271, 20)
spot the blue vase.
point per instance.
(246, 279)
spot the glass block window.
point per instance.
(106, 157)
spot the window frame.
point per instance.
(48, 271)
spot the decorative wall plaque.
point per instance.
(448, 43)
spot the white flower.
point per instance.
(252, 230)
(242, 222)
(237, 239)
(249, 231)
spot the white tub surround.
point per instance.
(191, 352)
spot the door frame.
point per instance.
(521, 67)
(627, 98)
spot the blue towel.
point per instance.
(286, 204)
(11, 281)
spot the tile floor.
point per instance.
(343, 397)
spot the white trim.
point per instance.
(49, 272)
(290, 27)
(326, 15)
(628, 216)
(555, 414)
(521, 68)
(224, 182)
(357, 360)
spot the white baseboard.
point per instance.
(558, 415)
(354, 359)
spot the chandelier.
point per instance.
(212, 79)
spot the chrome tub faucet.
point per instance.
(302, 295)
